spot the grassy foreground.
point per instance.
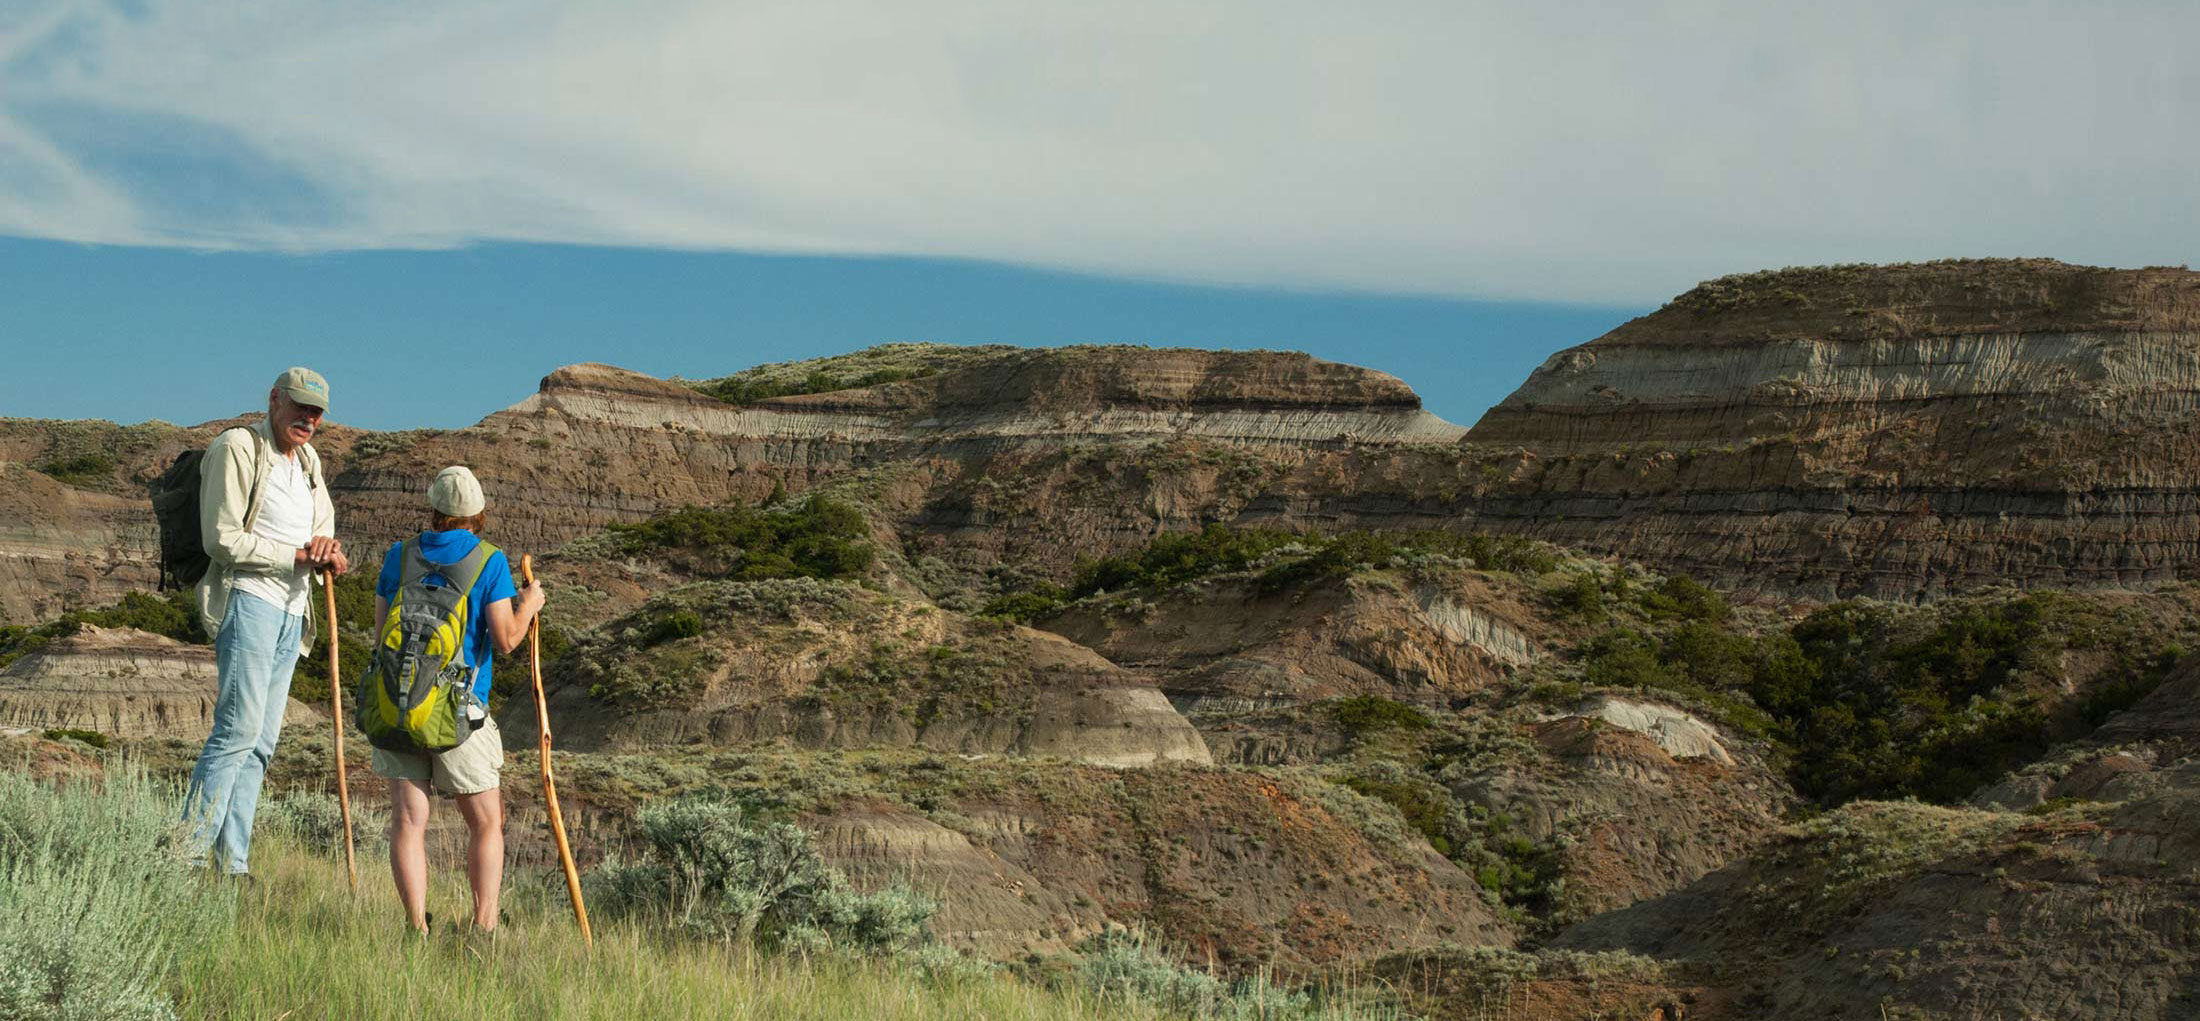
(103, 919)
(306, 947)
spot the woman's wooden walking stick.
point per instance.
(336, 717)
(550, 786)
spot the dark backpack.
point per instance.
(183, 558)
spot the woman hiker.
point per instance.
(497, 616)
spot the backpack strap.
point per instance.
(259, 475)
(415, 567)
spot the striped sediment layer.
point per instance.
(122, 683)
(2022, 422)
(599, 444)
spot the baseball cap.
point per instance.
(304, 386)
(456, 492)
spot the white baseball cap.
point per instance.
(456, 492)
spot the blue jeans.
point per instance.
(254, 654)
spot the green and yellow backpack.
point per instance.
(418, 688)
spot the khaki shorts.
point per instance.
(470, 768)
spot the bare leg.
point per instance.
(484, 814)
(409, 848)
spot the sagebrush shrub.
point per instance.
(96, 898)
(1125, 967)
(315, 819)
(725, 876)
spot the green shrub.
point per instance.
(1580, 597)
(1367, 714)
(81, 470)
(674, 626)
(90, 737)
(1684, 598)
(95, 902)
(1933, 704)
(1511, 868)
(1027, 606)
(1625, 658)
(1176, 557)
(817, 538)
(726, 877)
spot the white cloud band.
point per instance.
(1606, 152)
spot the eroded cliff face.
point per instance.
(1899, 431)
(62, 547)
(1043, 455)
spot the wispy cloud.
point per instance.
(1609, 152)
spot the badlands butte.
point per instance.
(1814, 646)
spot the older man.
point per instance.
(268, 525)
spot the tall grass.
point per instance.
(102, 920)
(96, 899)
(307, 947)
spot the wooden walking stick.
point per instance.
(550, 786)
(336, 717)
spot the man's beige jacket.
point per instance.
(231, 477)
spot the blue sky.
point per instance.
(1445, 189)
(184, 336)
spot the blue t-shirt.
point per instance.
(495, 583)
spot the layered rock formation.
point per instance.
(62, 547)
(121, 683)
(1904, 431)
(1901, 431)
(598, 445)
(838, 666)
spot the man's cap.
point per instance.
(456, 492)
(304, 386)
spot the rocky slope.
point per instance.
(1237, 645)
(840, 666)
(1615, 798)
(2069, 893)
(1902, 431)
(1904, 910)
(1238, 868)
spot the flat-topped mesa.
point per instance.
(1846, 349)
(1950, 298)
(1899, 430)
(930, 392)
